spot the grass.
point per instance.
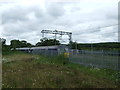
(34, 71)
(99, 73)
(107, 61)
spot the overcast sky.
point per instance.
(24, 19)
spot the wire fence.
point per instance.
(92, 58)
(99, 59)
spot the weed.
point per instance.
(36, 71)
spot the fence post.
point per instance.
(0, 63)
(102, 59)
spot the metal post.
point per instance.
(55, 38)
(0, 63)
(91, 48)
(102, 59)
(42, 34)
(76, 48)
(70, 40)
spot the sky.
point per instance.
(90, 21)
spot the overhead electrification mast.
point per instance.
(57, 33)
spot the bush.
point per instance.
(5, 49)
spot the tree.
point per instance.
(15, 44)
(23, 43)
(38, 44)
(47, 42)
(73, 45)
(18, 44)
(29, 45)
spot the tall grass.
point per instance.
(55, 72)
(60, 59)
(108, 74)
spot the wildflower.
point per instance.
(67, 72)
(35, 80)
(33, 83)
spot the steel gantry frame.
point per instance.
(57, 32)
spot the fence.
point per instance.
(99, 59)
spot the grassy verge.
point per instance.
(34, 71)
(108, 74)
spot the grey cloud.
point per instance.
(112, 12)
(103, 34)
(39, 13)
(112, 16)
(14, 15)
(75, 9)
(27, 23)
(17, 14)
(55, 9)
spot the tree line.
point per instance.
(97, 46)
(23, 43)
(49, 42)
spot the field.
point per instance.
(21, 70)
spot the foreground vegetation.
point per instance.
(21, 70)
